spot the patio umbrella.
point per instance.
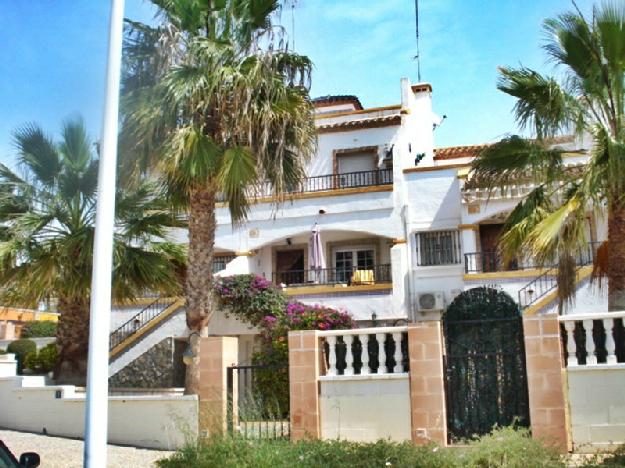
(316, 259)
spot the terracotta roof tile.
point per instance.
(454, 152)
(371, 122)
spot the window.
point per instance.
(349, 259)
(438, 248)
(220, 262)
(356, 167)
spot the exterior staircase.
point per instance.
(542, 290)
(162, 318)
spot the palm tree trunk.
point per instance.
(199, 292)
(616, 258)
(72, 340)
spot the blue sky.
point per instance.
(53, 57)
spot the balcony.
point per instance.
(335, 276)
(491, 262)
(325, 183)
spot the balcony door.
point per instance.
(290, 266)
(348, 260)
(355, 169)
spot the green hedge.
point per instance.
(505, 447)
(43, 361)
(39, 329)
(21, 348)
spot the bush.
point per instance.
(21, 348)
(39, 329)
(255, 300)
(43, 361)
(503, 448)
(2, 351)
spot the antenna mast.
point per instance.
(417, 57)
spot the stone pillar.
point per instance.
(216, 355)
(9, 330)
(546, 379)
(304, 365)
(427, 387)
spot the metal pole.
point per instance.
(96, 414)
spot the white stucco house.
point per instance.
(404, 229)
(390, 205)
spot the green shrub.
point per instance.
(39, 329)
(513, 448)
(504, 448)
(43, 361)
(2, 351)
(21, 348)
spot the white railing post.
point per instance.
(349, 356)
(364, 356)
(331, 340)
(380, 337)
(398, 356)
(571, 346)
(610, 345)
(590, 343)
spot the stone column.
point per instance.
(427, 388)
(546, 379)
(304, 365)
(216, 355)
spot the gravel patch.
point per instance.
(58, 452)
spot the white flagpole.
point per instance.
(96, 414)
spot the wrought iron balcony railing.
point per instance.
(487, 262)
(327, 182)
(329, 276)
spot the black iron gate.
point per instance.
(486, 380)
(258, 401)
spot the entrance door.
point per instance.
(489, 238)
(486, 379)
(290, 266)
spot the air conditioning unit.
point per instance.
(431, 301)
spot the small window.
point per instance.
(220, 262)
(438, 248)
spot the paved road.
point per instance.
(57, 452)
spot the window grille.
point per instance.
(438, 248)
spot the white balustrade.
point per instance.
(588, 321)
(591, 358)
(610, 345)
(571, 346)
(331, 340)
(397, 356)
(364, 357)
(364, 336)
(381, 338)
(349, 356)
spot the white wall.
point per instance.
(360, 306)
(160, 422)
(597, 406)
(365, 409)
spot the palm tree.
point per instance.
(586, 98)
(48, 214)
(216, 105)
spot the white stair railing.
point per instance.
(612, 346)
(338, 341)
